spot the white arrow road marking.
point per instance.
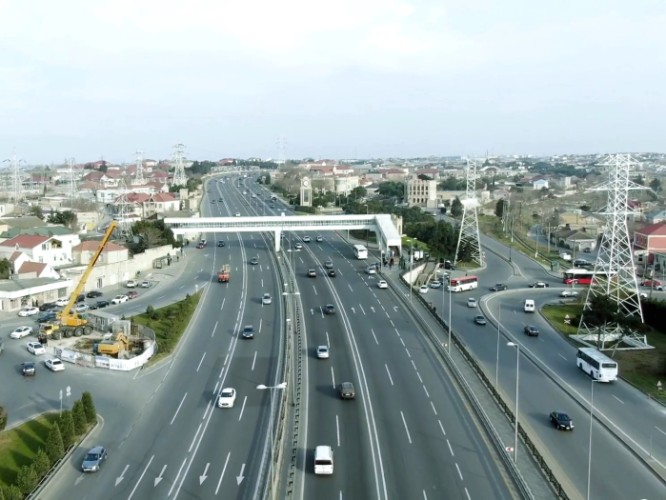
(79, 479)
(240, 477)
(159, 478)
(222, 475)
(395, 308)
(372, 308)
(122, 475)
(353, 310)
(203, 476)
(140, 478)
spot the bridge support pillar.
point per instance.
(278, 239)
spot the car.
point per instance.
(36, 348)
(145, 284)
(328, 264)
(20, 332)
(237, 214)
(480, 320)
(539, 284)
(382, 284)
(569, 293)
(331, 273)
(61, 302)
(423, 289)
(220, 243)
(94, 459)
(499, 287)
(55, 365)
(93, 294)
(371, 270)
(83, 307)
(347, 391)
(587, 250)
(227, 398)
(81, 298)
(200, 245)
(101, 304)
(47, 316)
(581, 263)
(132, 294)
(561, 421)
(28, 368)
(306, 239)
(319, 239)
(254, 261)
(654, 284)
(312, 273)
(435, 284)
(47, 306)
(267, 299)
(248, 332)
(643, 295)
(531, 330)
(471, 302)
(131, 284)
(298, 246)
(220, 200)
(322, 352)
(28, 311)
(329, 309)
(119, 299)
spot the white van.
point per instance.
(323, 460)
(529, 306)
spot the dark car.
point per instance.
(312, 273)
(28, 369)
(329, 309)
(499, 287)
(347, 390)
(328, 264)
(100, 304)
(532, 331)
(480, 320)
(48, 306)
(539, 284)
(254, 261)
(47, 316)
(93, 459)
(332, 273)
(248, 332)
(81, 298)
(94, 294)
(132, 294)
(220, 243)
(561, 421)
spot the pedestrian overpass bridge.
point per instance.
(388, 236)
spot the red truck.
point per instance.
(224, 274)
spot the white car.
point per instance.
(36, 348)
(471, 302)
(61, 302)
(435, 284)
(319, 239)
(267, 299)
(423, 289)
(131, 284)
(569, 293)
(307, 239)
(227, 398)
(119, 299)
(28, 311)
(382, 284)
(322, 352)
(298, 246)
(20, 332)
(55, 365)
(145, 284)
(82, 307)
(237, 214)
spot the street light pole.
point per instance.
(515, 429)
(499, 320)
(271, 422)
(589, 445)
(449, 345)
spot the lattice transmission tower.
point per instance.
(469, 242)
(72, 181)
(179, 177)
(139, 180)
(124, 226)
(614, 269)
(17, 179)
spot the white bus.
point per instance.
(463, 283)
(596, 364)
(360, 252)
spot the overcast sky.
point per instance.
(338, 79)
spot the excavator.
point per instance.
(113, 347)
(69, 322)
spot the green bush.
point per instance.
(89, 407)
(26, 479)
(79, 415)
(3, 418)
(54, 446)
(66, 425)
(42, 464)
(12, 492)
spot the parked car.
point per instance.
(347, 390)
(531, 330)
(131, 284)
(132, 294)
(480, 320)
(119, 299)
(83, 307)
(312, 273)
(61, 302)
(561, 421)
(93, 294)
(20, 332)
(36, 348)
(145, 284)
(55, 365)
(499, 287)
(227, 398)
(100, 304)
(322, 352)
(248, 332)
(94, 459)
(28, 369)
(28, 311)
(539, 284)
(48, 306)
(46, 317)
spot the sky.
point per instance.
(104, 79)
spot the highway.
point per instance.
(616, 404)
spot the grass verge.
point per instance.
(642, 368)
(19, 445)
(168, 323)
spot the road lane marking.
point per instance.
(204, 476)
(254, 360)
(664, 433)
(374, 336)
(362, 310)
(260, 323)
(350, 288)
(397, 332)
(389, 374)
(221, 372)
(409, 438)
(561, 356)
(467, 493)
(426, 390)
(242, 409)
(222, 475)
(419, 376)
(434, 410)
(425, 497)
(450, 449)
(175, 481)
(441, 427)
(402, 342)
(621, 402)
(210, 405)
(194, 439)
(333, 377)
(240, 477)
(407, 351)
(159, 478)
(314, 288)
(414, 365)
(459, 473)
(141, 478)
(178, 409)
(337, 429)
(328, 340)
(202, 358)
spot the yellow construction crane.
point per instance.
(69, 322)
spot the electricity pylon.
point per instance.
(469, 239)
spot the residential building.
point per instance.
(55, 250)
(422, 193)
